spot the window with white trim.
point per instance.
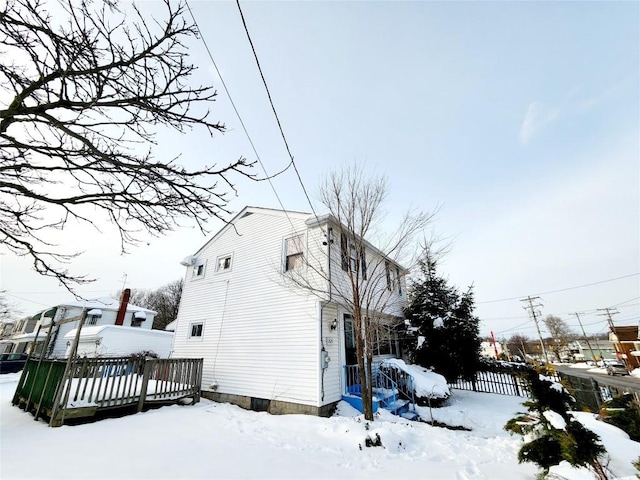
(349, 256)
(196, 329)
(223, 263)
(199, 269)
(293, 253)
(393, 277)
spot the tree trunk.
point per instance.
(364, 366)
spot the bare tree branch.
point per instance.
(83, 98)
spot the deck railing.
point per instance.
(94, 384)
(502, 383)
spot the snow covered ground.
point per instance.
(211, 440)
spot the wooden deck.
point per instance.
(83, 387)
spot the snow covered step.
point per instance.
(397, 405)
(410, 416)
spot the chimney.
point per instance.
(124, 301)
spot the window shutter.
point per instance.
(363, 264)
(344, 252)
(388, 273)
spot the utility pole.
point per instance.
(593, 355)
(532, 311)
(607, 313)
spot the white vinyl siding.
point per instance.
(260, 337)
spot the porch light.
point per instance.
(334, 324)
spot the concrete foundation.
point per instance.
(275, 407)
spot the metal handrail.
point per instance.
(406, 386)
(397, 381)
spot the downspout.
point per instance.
(329, 242)
(323, 349)
(322, 355)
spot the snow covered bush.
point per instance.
(624, 412)
(551, 434)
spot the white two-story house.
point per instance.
(268, 342)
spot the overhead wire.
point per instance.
(273, 108)
(235, 109)
(560, 290)
(226, 89)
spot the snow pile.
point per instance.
(427, 383)
(555, 419)
(224, 441)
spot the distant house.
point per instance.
(59, 320)
(595, 349)
(626, 341)
(490, 350)
(267, 345)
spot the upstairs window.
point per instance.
(223, 263)
(349, 257)
(387, 270)
(199, 269)
(93, 316)
(393, 277)
(138, 318)
(294, 253)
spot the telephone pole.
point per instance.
(593, 355)
(607, 313)
(532, 311)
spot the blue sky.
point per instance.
(520, 119)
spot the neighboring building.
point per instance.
(602, 349)
(21, 330)
(488, 349)
(63, 318)
(119, 341)
(266, 343)
(6, 330)
(626, 341)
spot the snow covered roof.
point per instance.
(103, 303)
(98, 331)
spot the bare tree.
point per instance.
(560, 332)
(8, 310)
(368, 289)
(83, 93)
(520, 345)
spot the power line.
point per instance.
(563, 289)
(226, 89)
(273, 108)
(235, 109)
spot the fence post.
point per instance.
(596, 392)
(515, 383)
(148, 367)
(62, 394)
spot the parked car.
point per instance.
(12, 362)
(614, 368)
